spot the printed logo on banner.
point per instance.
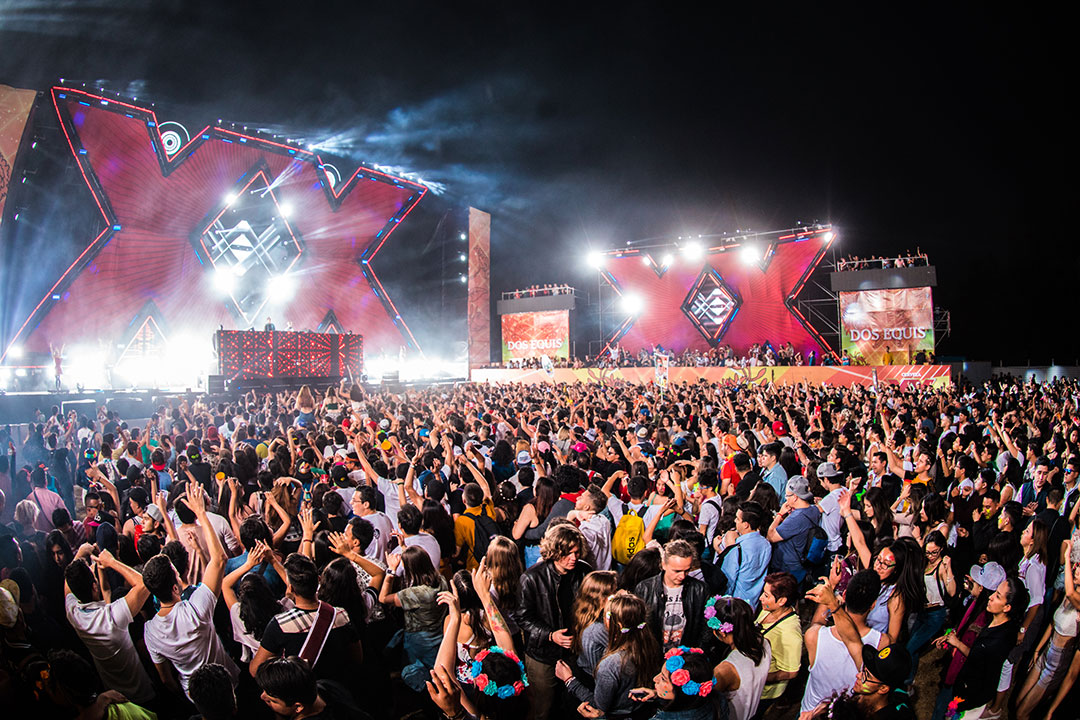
(711, 304)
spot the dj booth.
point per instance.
(252, 356)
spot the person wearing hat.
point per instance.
(833, 481)
(878, 686)
(790, 529)
(981, 583)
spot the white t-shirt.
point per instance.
(425, 541)
(186, 638)
(383, 528)
(831, 520)
(1033, 575)
(103, 628)
(709, 516)
(597, 532)
(390, 495)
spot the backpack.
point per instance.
(817, 544)
(483, 531)
(627, 538)
(719, 584)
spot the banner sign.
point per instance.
(937, 376)
(534, 334)
(887, 327)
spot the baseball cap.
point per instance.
(779, 428)
(580, 447)
(384, 424)
(989, 575)
(543, 446)
(155, 512)
(424, 432)
(828, 470)
(890, 664)
(591, 434)
(523, 458)
(679, 441)
(642, 431)
(799, 486)
(338, 473)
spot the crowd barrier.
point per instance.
(843, 376)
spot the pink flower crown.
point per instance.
(680, 676)
(486, 685)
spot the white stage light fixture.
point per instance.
(645, 260)
(693, 251)
(750, 254)
(828, 236)
(632, 304)
(595, 259)
(230, 198)
(15, 352)
(286, 210)
(668, 259)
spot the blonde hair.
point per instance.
(27, 513)
(504, 562)
(304, 398)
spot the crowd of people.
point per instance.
(757, 355)
(877, 262)
(753, 551)
(538, 291)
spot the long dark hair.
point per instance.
(473, 608)
(746, 635)
(908, 573)
(418, 568)
(546, 495)
(339, 587)
(883, 515)
(258, 605)
(439, 525)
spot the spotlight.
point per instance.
(464, 236)
(463, 278)
(15, 352)
(230, 198)
(693, 251)
(463, 257)
(750, 254)
(595, 259)
(668, 259)
(645, 260)
(828, 236)
(632, 304)
(20, 372)
(286, 209)
(224, 280)
(281, 289)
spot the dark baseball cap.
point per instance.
(891, 665)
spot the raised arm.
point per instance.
(481, 579)
(215, 566)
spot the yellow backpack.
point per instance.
(627, 538)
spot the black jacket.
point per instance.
(694, 595)
(538, 615)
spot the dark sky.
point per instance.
(583, 125)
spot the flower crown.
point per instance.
(710, 614)
(680, 677)
(486, 685)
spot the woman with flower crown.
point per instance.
(740, 676)
(631, 656)
(682, 688)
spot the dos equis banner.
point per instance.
(15, 106)
(534, 334)
(900, 322)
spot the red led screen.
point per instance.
(718, 299)
(169, 224)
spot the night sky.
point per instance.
(581, 126)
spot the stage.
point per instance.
(937, 376)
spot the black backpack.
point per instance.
(719, 582)
(484, 529)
